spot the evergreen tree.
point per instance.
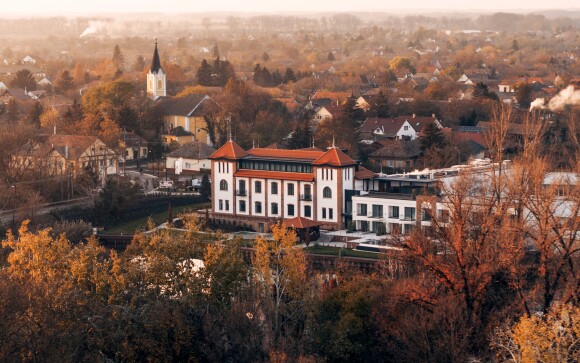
(289, 76)
(139, 64)
(118, 58)
(481, 91)
(24, 79)
(331, 56)
(265, 57)
(302, 135)
(432, 137)
(205, 189)
(65, 82)
(276, 78)
(352, 111)
(204, 73)
(382, 105)
(34, 114)
(216, 51)
(524, 95)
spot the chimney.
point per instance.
(433, 115)
(414, 115)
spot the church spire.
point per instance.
(155, 63)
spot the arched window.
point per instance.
(327, 192)
(223, 185)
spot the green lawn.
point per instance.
(334, 251)
(131, 226)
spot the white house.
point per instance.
(191, 158)
(402, 127)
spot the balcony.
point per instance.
(408, 218)
(241, 192)
(306, 197)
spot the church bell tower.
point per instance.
(156, 79)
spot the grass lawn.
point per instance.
(131, 226)
(334, 251)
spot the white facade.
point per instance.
(156, 84)
(223, 187)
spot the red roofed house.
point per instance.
(260, 186)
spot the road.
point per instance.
(6, 216)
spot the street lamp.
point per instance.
(13, 204)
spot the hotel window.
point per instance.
(330, 213)
(291, 210)
(258, 187)
(326, 192)
(223, 185)
(307, 211)
(221, 204)
(291, 189)
(323, 213)
(227, 205)
(242, 206)
(274, 188)
(258, 207)
(274, 208)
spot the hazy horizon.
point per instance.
(40, 7)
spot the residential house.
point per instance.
(188, 113)
(134, 146)
(395, 156)
(61, 155)
(402, 127)
(191, 158)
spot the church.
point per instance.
(184, 118)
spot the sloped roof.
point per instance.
(301, 223)
(334, 157)
(364, 173)
(229, 151)
(130, 138)
(307, 155)
(193, 150)
(390, 126)
(188, 106)
(178, 131)
(155, 62)
(398, 149)
(70, 147)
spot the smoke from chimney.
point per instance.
(567, 96)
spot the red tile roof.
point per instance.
(334, 157)
(364, 173)
(264, 174)
(230, 151)
(286, 154)
(301, 223)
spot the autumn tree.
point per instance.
(551, 337)
(280, 275)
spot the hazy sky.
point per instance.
(171, 6)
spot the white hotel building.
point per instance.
(260, 186)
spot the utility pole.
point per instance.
(13, 204)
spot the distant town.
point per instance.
(333, 187)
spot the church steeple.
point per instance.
(155, 62)
(156, 80)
